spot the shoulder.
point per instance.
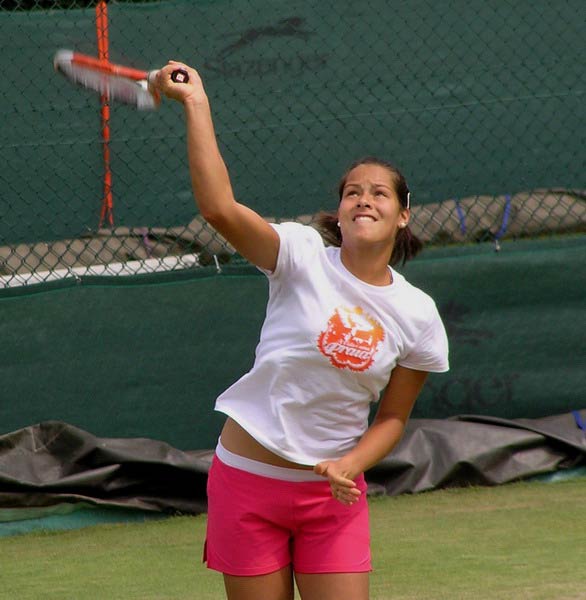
(293, 230)
(297, 240)
(299, 246)
(419, 300)
(429, 348)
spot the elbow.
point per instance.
(218, 211)
(216, 216)
(211, 216)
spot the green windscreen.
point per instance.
(148, 358)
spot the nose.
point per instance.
(363, 200)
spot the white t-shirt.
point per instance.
(327, 348)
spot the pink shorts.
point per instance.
(257, 525)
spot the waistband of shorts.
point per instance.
(265, 470)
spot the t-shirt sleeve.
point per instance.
(430, 353)
(298, 245)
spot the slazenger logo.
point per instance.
(351, 339)
(243, 58)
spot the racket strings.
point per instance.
(112, 86)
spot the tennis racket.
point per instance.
(116, 82)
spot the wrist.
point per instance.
(196, 102)
(349, 467)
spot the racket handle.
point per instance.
(180, 76)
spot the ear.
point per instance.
(404, 215)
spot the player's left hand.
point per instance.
(343, 487)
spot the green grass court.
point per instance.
(514, 542)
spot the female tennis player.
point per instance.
(286, 490)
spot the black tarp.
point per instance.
(54, 463)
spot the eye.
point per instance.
(351, 193)
(381, 193)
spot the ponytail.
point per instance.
(407, 246)
(327, 224)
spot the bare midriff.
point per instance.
(239, 441)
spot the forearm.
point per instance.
(209, 176)
(387, 428)
(378, 441)
(250, 235)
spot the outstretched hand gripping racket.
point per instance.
(116, 82)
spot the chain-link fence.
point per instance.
(479, 102)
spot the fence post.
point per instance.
(103, 54)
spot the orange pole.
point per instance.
(107, 211)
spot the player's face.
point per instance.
(369, 209)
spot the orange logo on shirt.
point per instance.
(351, 339)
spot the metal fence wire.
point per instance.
(479, 102)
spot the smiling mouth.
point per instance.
(364, 218)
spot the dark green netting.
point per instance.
(475, 101)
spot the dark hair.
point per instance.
(407, 245)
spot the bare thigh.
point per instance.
(333, 586)
(274, 586)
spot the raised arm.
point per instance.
(246, 230)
